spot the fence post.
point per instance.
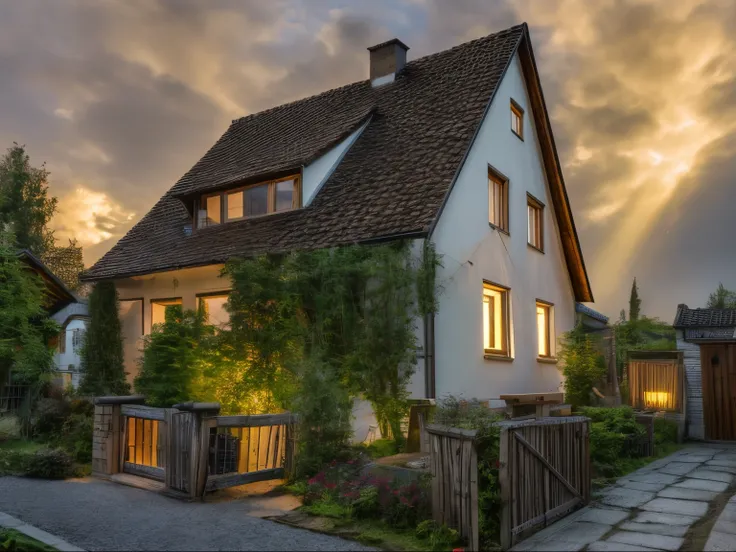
(504, 478)
(199, 443)
(106, 436)
(290, 449)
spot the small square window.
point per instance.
(285, 192)
(256, 201)
(498, 200)
(517, 119)
(535, 223)
(495, 320)
(545, 344)
(77, 340)
(234, 205)
(214, 310)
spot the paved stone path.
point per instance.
(651, 508)
(723, 534)
(99, 515)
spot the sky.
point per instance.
(121, 97)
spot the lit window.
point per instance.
(77, 339)
(544, 330)
(234, 205)
(209, 213)
(535, 223)
(285, 195)
(495, 320)
(517, 119)
(62, 342)
(159, 307)
(214, 310)
(498, 201)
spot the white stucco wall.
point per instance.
(463, 236)
(316, 173)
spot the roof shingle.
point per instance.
(704, 318)
(391, 182)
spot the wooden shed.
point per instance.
(707, 338)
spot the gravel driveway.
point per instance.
(98, 515)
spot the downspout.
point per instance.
(429, 364)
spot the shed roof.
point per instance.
(704, 318)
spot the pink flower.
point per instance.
(330, 485)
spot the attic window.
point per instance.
(517, 119)
(264, 198)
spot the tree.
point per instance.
(67, 263)
(26, 208)
(722, 298)
(168, 366)
(102, 353)
(584, 366)
(25, 328)
(634, 302)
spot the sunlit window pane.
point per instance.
(542, 331)
(214, 310)
(235, 205)
(159, 307)
(495, 324)
(210, 213)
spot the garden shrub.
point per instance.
(381, 448)
(48, 417)
(665, 431)
(584, 366)
(47, 464)
(9, 428)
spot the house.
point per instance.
(455, 147)
(73, 320)
(707, 338)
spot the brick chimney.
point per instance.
(387, 59)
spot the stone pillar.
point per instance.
(106, 445)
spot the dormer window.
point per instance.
(264, 198)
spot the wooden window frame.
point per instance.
(550, 308)
(496, 177)
(505, 352)
(517, 110)
(296, 200)
(538, 206)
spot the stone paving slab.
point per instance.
(718, 542)
(656, 528)
(694, 458)
(674, 506)
(665, 519)
(725, 526)
(605, 516)
(654, 477)
(728, 456)
(702, 473)
(626, 498)
(714, 466)
(641, 486)
(687, 494)
(703, 485)
(582, 532)
(678, 468)
(603, 546)
(661, 542)
(727, 462)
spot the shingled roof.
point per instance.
(704, 318)
(392, 182)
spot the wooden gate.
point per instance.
(544, 472)
(179, 468)
(143, 441)
(718, 367)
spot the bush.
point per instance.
(48, 418)
(9, 428)
(584, 366)
(48, 464)
(610, 432)
(76, 437)
(381, 448)
(665, 431)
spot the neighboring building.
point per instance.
(73, 320)
(707, 338)
(590, 318)
(455, 147)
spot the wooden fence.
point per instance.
(189, 448)
(544, 473)
(656, 380)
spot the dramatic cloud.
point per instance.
(121, 97)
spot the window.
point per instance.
(535, 222)
(544, 330)
(251, 201)
(498, 200)
(62, 341)
(495, 320)
(159, 307)
(77, 339)
(517, 119)
(214, 309)
(210, 213)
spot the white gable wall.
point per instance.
(463, 234)
(316, 173)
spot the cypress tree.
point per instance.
(634, 302)
(102, 352)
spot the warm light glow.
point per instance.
(89, 216)
(493, 333)
(656, 399)
(542, 330)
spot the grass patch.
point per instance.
(19, 445)
(15, 541)
(381, 448)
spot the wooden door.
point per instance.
(718, 369)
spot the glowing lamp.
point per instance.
(656, 399)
